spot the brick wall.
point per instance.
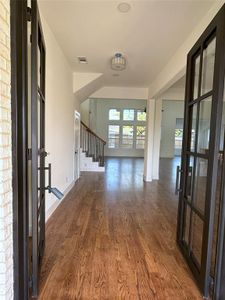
(6, 241)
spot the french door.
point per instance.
(38, 152)
(200, 230)
(28, 144)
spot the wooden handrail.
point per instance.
(92, 132)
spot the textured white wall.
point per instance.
(6, 236)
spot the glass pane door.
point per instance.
(37, 144)
(200, 196)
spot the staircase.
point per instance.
(92, 150)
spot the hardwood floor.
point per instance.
(113, 237)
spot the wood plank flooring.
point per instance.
(113, 237)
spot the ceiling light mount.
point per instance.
(82, 59)
(124, 7)
(118, 62)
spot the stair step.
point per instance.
(87, 164)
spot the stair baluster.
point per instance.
(92, 144)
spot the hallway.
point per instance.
(114, 237)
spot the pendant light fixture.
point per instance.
(118, 62)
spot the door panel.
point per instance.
(196, 75)
(37, 144)
(193, 120)
(205, 108)
(200, 197)
(208, 66)
(187, 224)
(200, 184)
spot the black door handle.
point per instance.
(177, 187)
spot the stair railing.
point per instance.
(92, 144)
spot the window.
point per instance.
(140, 137)
(113, 136)
(128, 114)
(178, 141)
(141, 115)
(178, 136)
(126, 128)
(114, 114)
(127, 136)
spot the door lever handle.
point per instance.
(49, 169)
(177, 187)
(49, 188)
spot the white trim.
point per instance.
(148, 156)
(157, 139)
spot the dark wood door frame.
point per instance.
(19, 92)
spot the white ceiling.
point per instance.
(148, 35)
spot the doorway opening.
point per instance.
(120, 123)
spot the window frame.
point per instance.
(135, 123)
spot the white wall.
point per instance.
(81, 80)
(84, 111)
(101, 121)
(170, 111)
(112, 92)
(60, 106)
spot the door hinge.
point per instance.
(29, 153)
(29, 14)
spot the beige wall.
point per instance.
(60, 107)
(171, 111)
(6, 242)
(85, 112)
